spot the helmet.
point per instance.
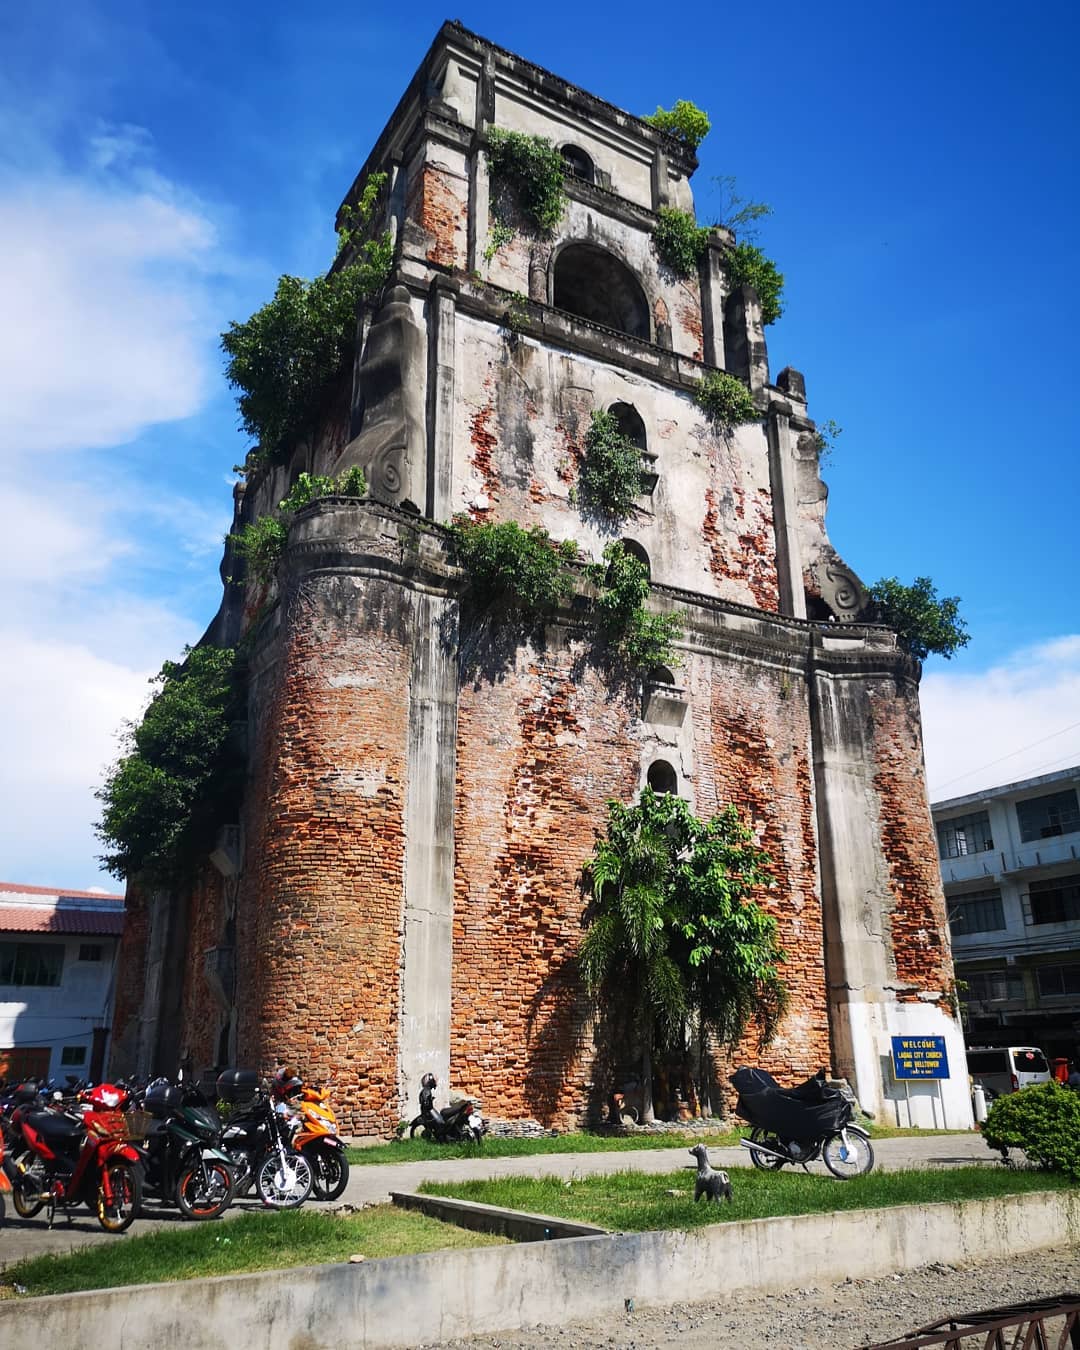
(429, 1081)
(286, 1082)
(106, 1097)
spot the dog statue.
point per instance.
(709, 1183)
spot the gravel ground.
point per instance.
(841, 1316)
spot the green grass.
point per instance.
(634, 1201)
(248, 1242)
(419, 1150)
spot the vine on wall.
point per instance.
(610, 478)
(746, 265)
(262, 542)
(679, 240)
(532, 169)
(725, 400)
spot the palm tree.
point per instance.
(673, 923)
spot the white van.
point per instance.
(1007, 1068)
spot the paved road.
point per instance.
(372, 1184)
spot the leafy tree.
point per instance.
(921, 621)
(641, 639)
(525, 568)
(282, 358)
(746, 265)
(261, 542)
(679, 240)
(164, 799)
(673, 924)
(726, 400)
(685, 121)
(736, 212)
(610, 478)
(535, 171)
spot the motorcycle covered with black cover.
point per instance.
(800, 1124)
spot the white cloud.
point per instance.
(105, 326)
(1016, 720)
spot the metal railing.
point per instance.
(1043, 1324)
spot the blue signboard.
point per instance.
(919, 1057)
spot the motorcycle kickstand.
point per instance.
(50, 1209)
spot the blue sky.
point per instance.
(160, 165)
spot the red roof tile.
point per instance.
(49, 919)
(17, 888)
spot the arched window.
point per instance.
(632, 427)
(662, 777)
(660, 675)
(635, 550)
(578, 163)
(595, 285)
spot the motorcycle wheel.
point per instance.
(284, 1183)
(765, 1162)
(125, 1181)
(21, 1190)
(418, 1130)
(201, 1198)
(329, 1171)
(854, 1160)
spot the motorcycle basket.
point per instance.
(137, 1125)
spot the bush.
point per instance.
(641, 639)
(1044, 1121)
(610, 479)
(726, 400)
(262, 542)
(525, 568)
(164, 799)
(534, 170)
(679, 240)
(922, 623)
(686, 122)
(746, 265)
(283, 357)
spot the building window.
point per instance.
(963, 835)
(595, 285)
(90, 951)
(31, 963)
(1047, 817)
(662, 777)
(994, 986)
(630, 424)
(1058, 981)
(73, 1054)
(976, 912)
(1056, 900)
(578, 163)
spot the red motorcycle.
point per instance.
(58, 1158)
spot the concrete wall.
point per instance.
(410, 1300)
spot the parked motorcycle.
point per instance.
(259, 1142)
(59, 1158)
(459, 1123)
(186, 1164)
(317, 1138)
(800, 1125)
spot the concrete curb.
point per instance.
(511, 1223)
(410, 1300)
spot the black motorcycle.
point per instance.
(259, 1142)
(185, 1163)
(800, 1125)
(458, 1123)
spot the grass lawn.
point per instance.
(633, 1201)
(419, 1150)
(248, 1242)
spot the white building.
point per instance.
(58, 953)
(1010, 862)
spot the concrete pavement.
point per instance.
(372, 1184)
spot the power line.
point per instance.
(1011, 755)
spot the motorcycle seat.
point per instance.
(55, 1127)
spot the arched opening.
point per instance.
(660, 675)
(662, 777)
(578, 163)
(595, 285)
(630, 424)
(632, 427)
(635, 550)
